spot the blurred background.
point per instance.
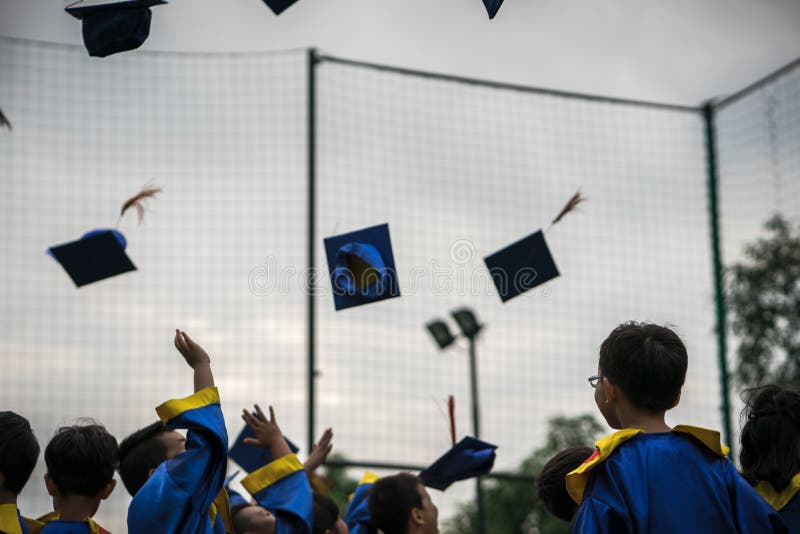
(215, 108)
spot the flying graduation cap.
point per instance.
(279, 6)
(100, 254)
(249, 457)
(114, 27)
(527, 263)
(492, 6)
(361, 266)
(468, 458)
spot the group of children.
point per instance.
(646, 477)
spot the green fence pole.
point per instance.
(719, 293)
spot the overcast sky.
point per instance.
(681, 51)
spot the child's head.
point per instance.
(252, 519)
(143, 451)
(19, 451)
(771, 436)
(326, 516)
(81, 460)
(400, 504)
(551, 485)
(646, 363)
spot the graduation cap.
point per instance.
(115, 27)
(527, 263)
(521, 266)
(492, 6)
(249, 457)
(468, 458)
(279, 6)
(98, 255)
(361, 267)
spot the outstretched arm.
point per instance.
(197, 358)
(268, 433)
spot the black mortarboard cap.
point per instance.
(250, 457)
(492, 6)
(361, 266)
(521, 266)
(97, 255)
(115, 27)
(468, 458)
(279, 6)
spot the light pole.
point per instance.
(470, 328)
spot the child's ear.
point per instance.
(611, 391)
(150, 473)
(52, 490)
(107, 489)
(416, 516)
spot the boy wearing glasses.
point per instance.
(648, 477)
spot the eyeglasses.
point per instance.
(593, 380)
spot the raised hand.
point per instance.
(320, 451)
(268, 433)
(197, 358)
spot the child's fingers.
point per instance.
(251, 441)
(190, 343)
(251, 421)
(177, 340)
(272, 415)
(260, 413)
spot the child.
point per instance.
(648, 477)
(770, 454)
(174, 481)
(357, 516)
(19, 451)
(326, 516)
(400, 504)
(550, 484)
(80, 461)
(281, 488)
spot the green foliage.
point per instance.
(511, 506)
(764, 303)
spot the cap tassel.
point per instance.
(137, 201)
(572, 203)
(451, 408)
(4, 122)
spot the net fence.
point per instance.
(458, 170)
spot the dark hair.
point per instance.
(771, 435)
(139, 453)
(325, 514)
(391, 501)
(19, 451)
(648, 363)
(81, 459)
(551, 486)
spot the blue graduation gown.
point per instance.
(666, 482)
(282, 487)
(12, 522)
(357, 517)
(786, 501)
(178, 497)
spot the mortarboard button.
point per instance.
(249, 457)
(97, 255)
(116, 27)
(468, 458)
(521, 266)
(279, 6)
(492, 6)
(361, 267)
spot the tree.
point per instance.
(511, 506)
(764, 302)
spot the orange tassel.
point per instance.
(572, 203)
(137, 201)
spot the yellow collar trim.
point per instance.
(709, 438)
(368, 478)
(577, 479)
(779, 499)
(9, 520)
